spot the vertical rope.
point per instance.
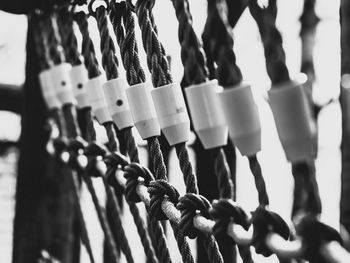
(129, 52)
(110, 64)
(109, 59)
(158, 65)
(278, 73)
(72, 133)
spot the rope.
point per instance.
(156, 59)
(88, 50)
(69, 41)
(304, 173)
(73, 133)
(192, 54)
(124, 28)
(111, 71)
(158, 65)
(218, 45)
(109, 59)
(272, 40)
(259, 180)
(222, 172)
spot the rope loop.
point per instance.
(314, 234)
(133, 173)
(159, 190)
(191, 205)
(265, 222)
(226, 211)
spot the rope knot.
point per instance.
(314, 234)
(226, 211)
(265, 222)
(191, 205)
(133, 172)
(159, 190)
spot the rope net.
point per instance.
(115, 95)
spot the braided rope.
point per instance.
(192, 54)
(304, 173)
(109, 60)
(156, 59)
(158, 65)
(69, 41)
(124, 27)
(73, 133)
(112, 73)
(272, 40)
(218, 45)
(88, 50)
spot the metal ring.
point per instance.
(92, 10)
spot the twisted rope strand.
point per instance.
(88, 50)
(218, 44)
(69, 41)
(109, 60)
(158, 65)
(73, 133)
(272, 40)
(278, 73)
(192, 54)
(90, 56)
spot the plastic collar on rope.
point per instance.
(314, 234)
(293, 117)
(62, 83)
(265, 222)
(142, 110)
(117, 102)
(206, 114)
(79, 77)
(191, 205)
(48, 90)
(172, 113)
(97, 100)
(242, 116)
(94, 4)
(225, 212)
